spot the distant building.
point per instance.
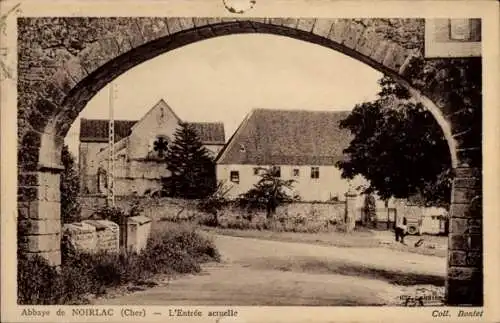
(139, 147)
(303, 145)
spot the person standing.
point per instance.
(400, 229)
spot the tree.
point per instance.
(269, 192)
(192, 168)
(399, 147)
(70, 206)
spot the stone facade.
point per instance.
(138, 167)
(329, 186)
(63, 62)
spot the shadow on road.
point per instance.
(317, 266)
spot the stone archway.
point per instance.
(62, 68)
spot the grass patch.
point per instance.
(176, 250)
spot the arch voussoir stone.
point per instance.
(323, 27)
(367, 42)
(351, 34)
(98, 54)
(306, 24)
(338, 28)
(395, 57)
(153, 28)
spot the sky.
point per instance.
(222, 79)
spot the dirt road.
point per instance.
(261, 272)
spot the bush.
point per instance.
(213, 204)
(70, 188)
(178, 250)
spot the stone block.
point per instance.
(75, 70)
(289, 22)
(23, 210)
(464, 210)
(275, 21)
(464, 195)
(200, 22)
(124, 41)
(257, 20)
(474, 183)
(39, 227)
(45, 210)
(216, 20)
(352, 34)
(469, 157)
(457, 258)
(82, 236)
(322, 27)
(458, 242)
(337, 31)
(63, 80)
(50, 152)
(367, 42)
(49, 193)
(185, 23)
(97, 54)
(306, 24)
(465, 242)
(463, 273)
(48, 179)
(474, 259)
(396, 57)
(38, 243)
(465, 293)
(174, 25)
(380, 51)
(230, 19)
(468, 172)
(465, 226)
(153, 28)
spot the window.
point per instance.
(276, 171)
(234, 176)
(314, 172)
(295, 172)
(256, 170)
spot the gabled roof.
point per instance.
(288, 137)
(96, 130)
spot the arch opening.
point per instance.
(82, 92)
(65, 107)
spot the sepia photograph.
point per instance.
(232, 161)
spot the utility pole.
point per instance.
(111, 146)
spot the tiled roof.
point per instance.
(210, 132)
(288, 137)
(94, 130)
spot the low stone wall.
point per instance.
(153, 208)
